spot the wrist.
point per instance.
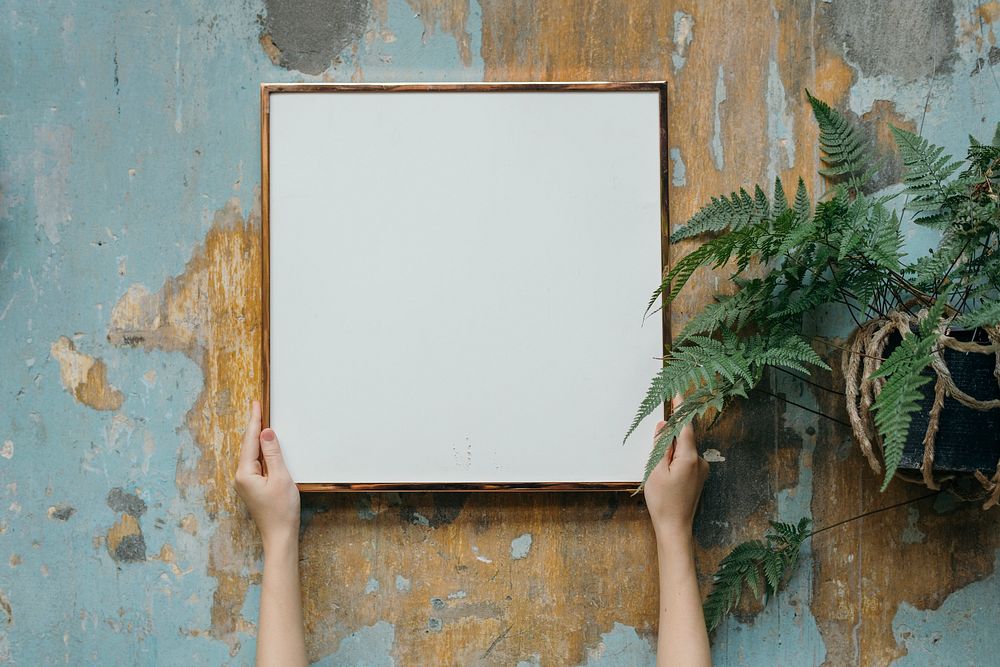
(281, 543)
(673, 536)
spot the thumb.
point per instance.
(271, 450)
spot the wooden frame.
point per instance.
(267, 89)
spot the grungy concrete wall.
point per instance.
(129, 314)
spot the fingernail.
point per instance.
(267, 435)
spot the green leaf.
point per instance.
(900, 396)
(774, 558)
(845, 150)
(926, 169)
(987, 315)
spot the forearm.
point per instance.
(682, 639)
(280, 632)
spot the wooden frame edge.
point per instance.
(266, 89)
(458, 487)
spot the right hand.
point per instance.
(271, 495)
(674, 487)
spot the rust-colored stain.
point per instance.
(467, 600)
(877, 122)
(979, 27)
(271, 49)
(8, 611)
(85, 377)
(211, 313)
(122, 540)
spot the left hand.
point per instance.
(674, 487)
(271, 496)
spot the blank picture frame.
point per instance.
(454, 281)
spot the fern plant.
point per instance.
(752, 562)
(789, 258)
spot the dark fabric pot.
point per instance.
(967, 439)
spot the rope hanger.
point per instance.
(864, 357)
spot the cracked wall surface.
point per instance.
(129, 331)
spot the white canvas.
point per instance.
(457, 284)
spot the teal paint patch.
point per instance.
(370, 646)
(621, 647)
(403, 585)
(683, 35)
(962, 631)
(371, 586)
(678, 176)
(402, 50)
(715, 147)
(520, 546)
(912, 533)
(780, 125)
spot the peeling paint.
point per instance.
(780, 125)
(126, 543)
(309, 35)
(683, 34)
(870, 36)
(85, 377)
(678, 176)
(621, 645)
(520, 546)
(720, 97)
(451, 16)
(211, 314)
(963, 628)
(61, 512)
(371, 646)
(128, 503)
(51, 165)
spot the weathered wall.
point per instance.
(129, 314)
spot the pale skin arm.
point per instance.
(672, 493)
(273, 501)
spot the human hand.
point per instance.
(271, 495)
(674, 486)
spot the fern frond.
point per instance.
(790, 351)
(927, 169)
(884, 239)
(732, 311)
(779, 203)
(802, 206)
(846, 150)
(986, 315)
(900, 396)
(698, 363)
(773, 558)
(722, 213)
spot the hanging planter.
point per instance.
(955, 432)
